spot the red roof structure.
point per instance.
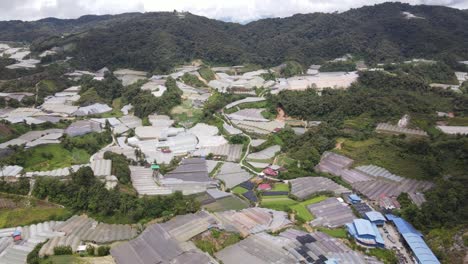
(264, 187)
(270, 172)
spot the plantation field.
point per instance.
(225, 204)
(27, 216)
(301, 208)
(280, 202)
(239, 190)
(280, 187)
(376, 151)
(54, 156)
(338, 232)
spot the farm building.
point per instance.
(228, 152)
(392, 129)
(253, 220)
(264, 187)
(144, 183)
(414, 240)
(30, 235)
(232, 174)
(101, 167)
(318, 247)
(251, 196)
(129, 77)
(35, 138)
(61, 173)
(388, 203)
(304, 187)
(375, 218)
(260, 128)
(82, 127)
(248, 115)
(191, 176)
(362, 208)
(131, 121)
(330, 213)
(93, 109)
(167, 243)
(260, 248)
(371, 181)
(79, 229)
(365, 233)
(454, 130)
(245, 100)
(354, 198)
(11, 171)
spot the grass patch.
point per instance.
(301, 208)
(63, 259)
(53, 156)
(337, 232)
(239, 190)
(186, 113)
(284, 160)
(116, 106)
(386, 255)
(280, 187)
(216, 240)
(378, 152)
(228, 203)
(28, 216)
(458, 121)
(280, 202)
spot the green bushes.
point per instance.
(103, 251)
(63, 250)
(90, 250)
(91, 142)
(20, 187)
(292, 68)
(86, 193)
(345, 66)
(33, 256)
(146, 104)
(206, 73)
(192, 80)
(119, 166)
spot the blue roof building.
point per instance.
(375, 217)
(365, 233)
(353, 198)
(414, 239)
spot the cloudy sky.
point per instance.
(237, 10)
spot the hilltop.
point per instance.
(157, 41)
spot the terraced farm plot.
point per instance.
(301, 208)
(280, 187)
(50, 157)
(239, 190)
(281, 202)
(229, 203)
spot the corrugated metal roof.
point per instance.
(363, 227)
(414, 239)
(375, 216)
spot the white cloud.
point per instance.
(237, 10)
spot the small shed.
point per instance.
(264, 187)
(270, 172)
(375, 218)
(353, 198)
(16, 235)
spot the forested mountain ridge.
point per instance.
(158, 41)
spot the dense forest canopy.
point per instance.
(379, 33)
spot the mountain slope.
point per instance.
(158, 41)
